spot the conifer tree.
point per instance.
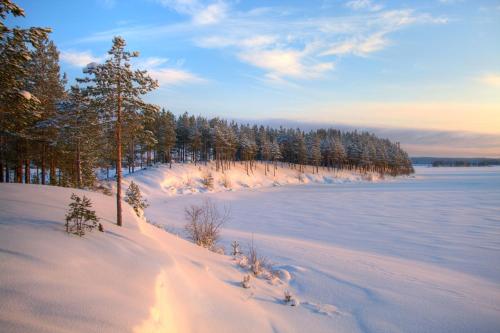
(17, 103)
(134, 197)
(80, 216)
(118, 89)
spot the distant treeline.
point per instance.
(455, 161)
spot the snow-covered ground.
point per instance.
(417, 254)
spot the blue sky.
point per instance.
(429, 64)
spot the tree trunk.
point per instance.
(7, 173)
(27, 171)
(44, 150)
(119, 159)
(78, 165)
(53, 180)
(19, 171)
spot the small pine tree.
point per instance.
(80, 217)
(134, 198)
(236, 248)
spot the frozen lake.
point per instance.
(414, 254)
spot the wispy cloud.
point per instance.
(279, 41)
(200, 13)
(364, 4)
(156, 67)
(79, 58)
(167, 76)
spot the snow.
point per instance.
(26, 94)
(161, 180)
(415, 254)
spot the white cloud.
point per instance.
(277, 40)
(358, 46)
(167, 76)
(285, 63)
(211, 14)
(491, 79)
(79, 59)
(172, 76)
(364, 4)
(200, 13)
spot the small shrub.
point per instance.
(255, 260)
(290, 300)
(218, 250)
(246, 281)
(208, 180)
(189, 182)
(134, 197)
(236, 248)
(80, 217)
(226, 181)
(300, 177)
(204, 223)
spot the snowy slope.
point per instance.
(187, 178)
(405, 255)
(135, 278)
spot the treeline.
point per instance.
(195, 139)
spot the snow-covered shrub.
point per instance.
(189, 182)
(246, 281)
(204, 223)
(226, 181)
(236, 248)
(134, 197)
(243, 262)
(208, 180)
(218, 250)
(80, 217)
(256, 262)
(290, 299)
(300, 177)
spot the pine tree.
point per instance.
(78, 139)
(119, 89)
(18, 104)
(46, 82)
(80, 217)
(134, 197)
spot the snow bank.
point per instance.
(134, 278)
(188, 178)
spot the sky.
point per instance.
(424, 72)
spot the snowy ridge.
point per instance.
(188, 178)
(136, 278)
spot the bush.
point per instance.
(226, 181)
(80, 217)
(134, 197)
(204, 223)
(236, 248)
(208, 180)
(257, 263)
(246, 282)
